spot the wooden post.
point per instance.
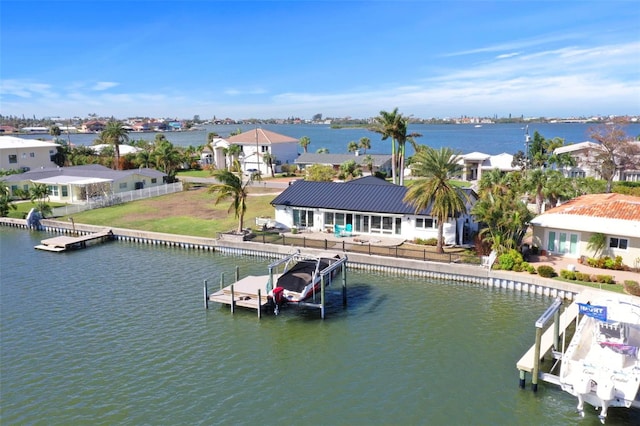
(233, 300)
(344, 285)
(536, 360)
(221, 281)
(206, 296)
(259, 305)
(237, 273)
(523, 376)
(322, 297)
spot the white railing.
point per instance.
(118, 198)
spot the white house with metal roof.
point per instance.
(565, 230)
(25, 154)
(368, 206)
(78, 183)
(379, 162)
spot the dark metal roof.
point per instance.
(364, 195)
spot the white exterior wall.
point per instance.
(28, 154)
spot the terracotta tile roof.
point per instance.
(264, 137)
(610, 206)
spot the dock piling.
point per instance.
(206, 295)
(233, 300)
(259, 304)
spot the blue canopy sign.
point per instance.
(593, 311)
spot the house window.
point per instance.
(577, 173)
(65, 190)
(328, 218)
(24, 155)
(52, 190)
(13, 159)
(32, 154)
(14, 188)
(154, 180)
(562, 243)
(123, 185)
(264, 148)
(428, 223)
(303, 218)
(618, 243)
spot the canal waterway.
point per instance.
(117, 334)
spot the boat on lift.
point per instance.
(601, 365)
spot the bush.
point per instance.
(546, 271)
(605, 279)
(511, 260)
(581, 276)
(427, 242)
(632, 287)
(568, 275)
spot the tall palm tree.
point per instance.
(6, 203)
(435, 189)
(304, 142)
(269, 159)
(352, 146)
(114, 134)
(167, 157)
(394, 125)
(231, 186)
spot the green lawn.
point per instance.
(186, 213)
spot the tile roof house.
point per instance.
(372, 206)
(566, 229)
(254, 144)
(72, 184)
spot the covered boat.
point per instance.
(601, 365)
(302, 277)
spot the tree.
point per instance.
(352, 146)
(319, 173)
(435, 189)
(269, 159)
(168, 158)
(6, 203)
(40, 196)
(597, 243)
(305, 142)
(369, 162)
(349, 170)
(231, 186)
(114, 134)
(617, 151)
(322, 151)
(504, 217)
(364, 143)
(394, 125)
(55, 132)
(233, 152)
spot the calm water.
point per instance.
(117, 334)
(490, 138)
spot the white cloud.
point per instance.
(104, 85)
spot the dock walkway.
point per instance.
(244, 293)
(64, 242)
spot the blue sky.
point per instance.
(266, 59)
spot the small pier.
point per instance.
(252, 291)
(553, 340)
(63, 243)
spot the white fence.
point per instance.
(118, 198)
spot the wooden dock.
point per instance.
(249, 292)
(63, 243)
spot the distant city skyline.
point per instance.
(279, 59)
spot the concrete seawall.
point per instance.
(473, 274)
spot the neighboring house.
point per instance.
(25, 154)
(372, 206)
(475, 163)
(565, 230)
(72, 184)
(123, 149)
(381, 163)
(255, 143)
(92, 127)
(584, 154)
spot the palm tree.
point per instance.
(233, 151)
(305, 142)
(6, 203)
(40, 196)
(114, 134)
(352, 146)
(231, 186)
(436, 190)
(364, 143)
(394, 125)
(322, 151)
(368, 161)
(167, 158)
(269, 159)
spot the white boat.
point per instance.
(601, 365)
(302, 276)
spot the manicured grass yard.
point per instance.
(189, 212)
